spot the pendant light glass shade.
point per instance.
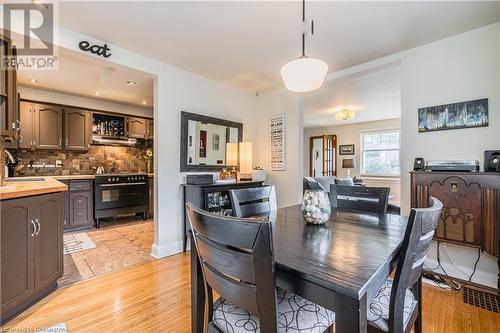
(304, 74)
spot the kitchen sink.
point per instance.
(19, 180)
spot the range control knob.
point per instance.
(109, 179)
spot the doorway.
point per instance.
(322, 155)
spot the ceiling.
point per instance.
(82, 75)
(373, 96)
(245, 43)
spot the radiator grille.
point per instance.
(481, 299)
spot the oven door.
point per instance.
(109, 196)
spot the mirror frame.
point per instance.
(185, 118)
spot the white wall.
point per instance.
(460, 68)
(84, 102)
(289, 182)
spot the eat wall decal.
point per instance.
(95, 49)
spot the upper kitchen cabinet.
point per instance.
(137, 127)
(26, 137)
(8, 94)
(41, 126)
(48, 126)
(151, 129)
(77, 129)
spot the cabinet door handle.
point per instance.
(67, 142)
(79, 201)
(60, 142)
(39, 227)
(79, 213)
(34, 228)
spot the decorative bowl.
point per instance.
(316, 206)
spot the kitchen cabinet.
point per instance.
(77, 129)
(8, 94)
(48, 126)
(137, 127)
(151, 206)
(151, 129)
(26, 136)
(31, 250)
(40, 126)
(79, 205)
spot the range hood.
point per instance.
(103, 140)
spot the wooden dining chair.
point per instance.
(253, 201)
(363, 198)
(397, 307)
(236, 257)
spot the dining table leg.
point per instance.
(350, 317)
(197, 291)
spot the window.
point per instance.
(380, 153)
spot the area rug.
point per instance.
(77, 242)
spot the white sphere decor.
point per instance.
(316, 207)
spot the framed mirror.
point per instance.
(204, 142)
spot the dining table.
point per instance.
(340, 265)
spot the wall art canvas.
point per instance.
(278, 143)
(453, 116)
(346, 150)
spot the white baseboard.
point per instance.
(165, 250)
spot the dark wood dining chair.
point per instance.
(253, 201)
(236, 257)
(363, 198)
(397, 307)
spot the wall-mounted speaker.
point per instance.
(492, 161)
(419, 164)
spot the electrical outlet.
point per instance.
(58, 163)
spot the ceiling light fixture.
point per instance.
(98, 93)
(345, 115)
(304, 74)
(143, 102)
(33, 80)
(131, 83)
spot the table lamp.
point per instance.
(232, 158)
(348, 163)
(245, 161)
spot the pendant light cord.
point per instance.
(303, 33)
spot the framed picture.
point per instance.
(346, 149)
(453, 116)
(278, 156)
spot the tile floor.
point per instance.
(120, 244)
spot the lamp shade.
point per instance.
(304, 74)
(246, 158)
(231, 154)
(348, 163)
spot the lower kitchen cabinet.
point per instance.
(79, 205)
(31, 250)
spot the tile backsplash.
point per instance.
(113, 159)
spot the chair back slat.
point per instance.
(218, 228)
(253, 201)
(367, 199)
(237, 261)
(240, 293)
(420, 229)
(226, 260)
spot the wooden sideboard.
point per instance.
(214, 198)
(471, 213)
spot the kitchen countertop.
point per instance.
(74, 177)
(21, 189)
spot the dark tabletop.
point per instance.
(345, 254)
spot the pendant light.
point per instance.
(304, 74)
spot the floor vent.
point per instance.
(481, 299)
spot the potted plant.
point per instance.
(258, 174)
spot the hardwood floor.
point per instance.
(155, 297)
